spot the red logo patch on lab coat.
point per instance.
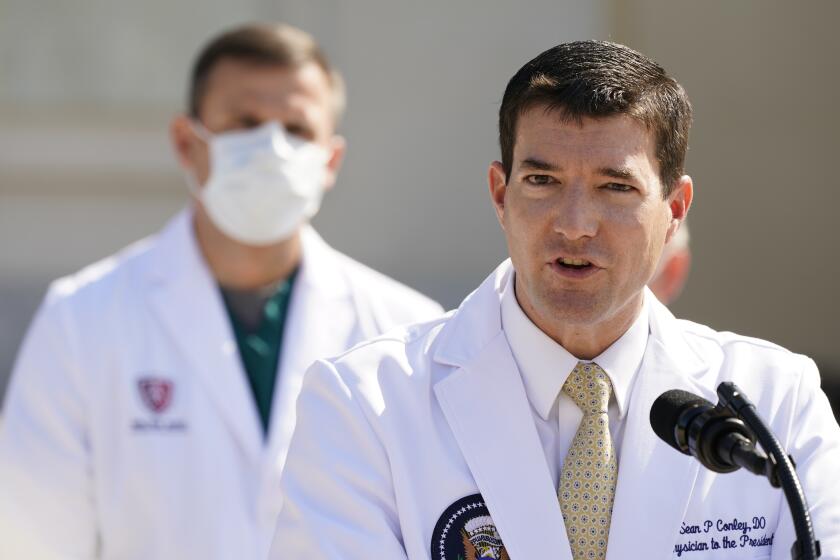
(156, 393)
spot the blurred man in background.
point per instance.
(152, 401)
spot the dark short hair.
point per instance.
(600, 79)
(269, 44)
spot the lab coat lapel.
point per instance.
(655, 481)
(487, 409)
(320, 323)
(189, 304)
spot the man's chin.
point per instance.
(575, 308)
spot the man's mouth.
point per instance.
(574, 264)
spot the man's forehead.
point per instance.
(546, 134)
(242, 81)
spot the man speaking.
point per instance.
(517, 427)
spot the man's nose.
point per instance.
(576, 213)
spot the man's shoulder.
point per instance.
(98, 283)
(404, 303)
(405, 351)
(115, 268)
(729, 346)
(379, 282)
(704, 334)
(113, 281)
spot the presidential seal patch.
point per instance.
(465, 531)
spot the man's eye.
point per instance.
(300, 131)
(539, 179)
(618, 187)
(247, 122)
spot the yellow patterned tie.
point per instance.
(587, 480)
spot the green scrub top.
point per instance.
(258, 319)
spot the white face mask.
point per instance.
(263, 184)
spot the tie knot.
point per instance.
(589, 386)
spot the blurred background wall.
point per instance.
(87, 90)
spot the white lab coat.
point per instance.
(396, 430)
(87, 465)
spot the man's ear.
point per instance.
(497, 183)
(679, 201)
(183, 139)
(337, 149)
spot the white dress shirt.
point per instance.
(545, 365)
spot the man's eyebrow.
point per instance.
(538, 164)
(623, 173)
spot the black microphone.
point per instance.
(723, 439)
(719, 440)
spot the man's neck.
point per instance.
(243, 267)
(587, 341)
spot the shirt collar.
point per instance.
(545, 365)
